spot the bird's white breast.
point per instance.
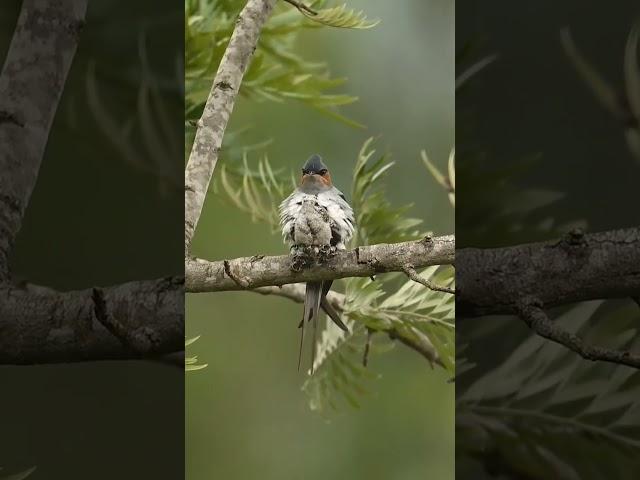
(339, 211)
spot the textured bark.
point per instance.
(218, 108)
(31, 83)
(133, 320)
(576, 268)
(260, 271)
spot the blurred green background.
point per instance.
(246, 416)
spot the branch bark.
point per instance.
(37, 324)
(218, 108)
(259, 271)
(31, 83)
(576, 268)
(134, 320)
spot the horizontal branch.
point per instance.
(129, 321)
(259, 271)
(576, 268)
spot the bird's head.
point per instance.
(315, 171)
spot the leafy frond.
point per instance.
(257, 192)
(447, 182)
(497, 208)
(341, 17)
(624, 104)
(473, 69)
(422, 316)
(377, 220)
(566, 414)
(18, 476)
(191, 363)
(276, 73)
(156, 153)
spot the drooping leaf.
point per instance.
(341, 17)
(544, 398)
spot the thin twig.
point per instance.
(422, 346)
(301, 6)
(534, 316)
(367, 347)
(413, 275)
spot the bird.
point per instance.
(316, 220)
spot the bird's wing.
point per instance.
(341, 214)
(289, 211)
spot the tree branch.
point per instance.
(259, 271)
(410, 271)
(133, 320)
(576, 268)
(31, 84)
(537, 320)
(217, 110)
(301, 6)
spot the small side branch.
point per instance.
(413, 275)
(218, 108)
(302, 7)
(537, 320)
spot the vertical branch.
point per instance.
(31, 83)
(217, 110)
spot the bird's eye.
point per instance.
(305, 172)
(323, 172)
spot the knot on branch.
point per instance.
(240, 281)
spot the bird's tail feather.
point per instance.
(313, 297)
(328, 309)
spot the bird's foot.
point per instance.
(301, 257)
(325, 252)
(305, 256)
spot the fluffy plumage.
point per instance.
(328, 198)
(316, 214)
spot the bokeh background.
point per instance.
(246, 416)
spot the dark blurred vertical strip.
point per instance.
(548, 146)
(107, 209)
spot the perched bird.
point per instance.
(317, 221)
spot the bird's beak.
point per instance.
(313, 177)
